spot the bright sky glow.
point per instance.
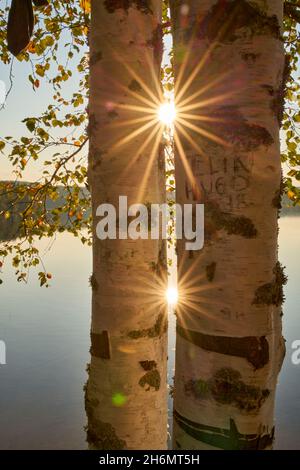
(172, 296)
(167, 113)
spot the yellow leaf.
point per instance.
(31, 47)
(86, 5)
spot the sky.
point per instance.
(23, 102)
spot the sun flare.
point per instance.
(172, 296)
(173, 115)
(167, 113)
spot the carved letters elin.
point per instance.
(227, 178)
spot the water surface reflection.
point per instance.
(47, 338)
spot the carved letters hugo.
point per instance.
(227, 178)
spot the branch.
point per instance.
(46, 185)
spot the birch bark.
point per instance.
(229, 64)
(126, 394)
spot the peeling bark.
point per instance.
(255, 350)
(100, 345)
(226, 439)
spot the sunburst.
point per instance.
(182, 113)
(155, 112)
(167, 113)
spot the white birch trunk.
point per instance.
(126, 396)
(229, 344)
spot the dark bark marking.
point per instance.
(237, 131)
(278, 106)
(177, 445)
(249, 57)
(102, 436)
(227, 388)
(90, 403)
(254, 349)
(150, 379)
(216, 220)
(227, 17)
(96, 57)
(156, 42)
(223, 438)
(271, 293)
(277, 199)
(161, 158)
(148, 365)
(100, 345)
(210, 271)
(93, 282)
(160, 267)
(135, 86)
(159, 328)
(278, 95)
(95, 157)
(144, 6)
(112, 114)
(92, 125)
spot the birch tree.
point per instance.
(229, 85)
(126, 390)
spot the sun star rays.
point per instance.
(144, 114)
(151, 113)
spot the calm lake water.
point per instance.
(46, 332)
